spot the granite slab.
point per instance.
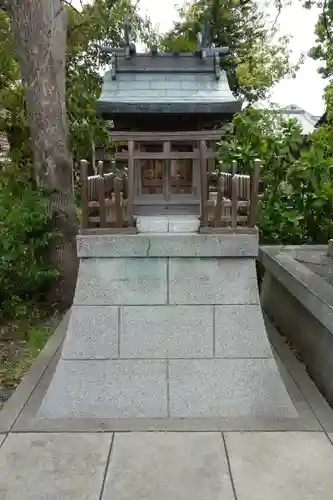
(213, 281)
(240, 332)
(121, 281)
(92, 333)
(167, 245)
(107, 388)
(166, 331)
(228, 388)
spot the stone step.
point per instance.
(159, 281)
(168, 224)
(148, 332)
(206, 388)
(237, 244)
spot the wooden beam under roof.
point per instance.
(191, 135)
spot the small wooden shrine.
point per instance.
(166, 111)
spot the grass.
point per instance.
(20, 343)
(19, 355)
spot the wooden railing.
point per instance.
(104, 200)
(234, 203)
(107, 198)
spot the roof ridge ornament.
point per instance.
(203, 41)
(204, 49)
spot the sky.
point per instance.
(306, 90)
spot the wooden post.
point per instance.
(234, 167)
(117, 200)
(178, 183)
(166, 171)
(101, 199)
(84, 193)
(255, 177)
(100, 168)
(204, 187)
(219, 202)
(130, 186)
(212, 160)
(234, 201)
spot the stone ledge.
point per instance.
(330, 248)
(167, 245)
(312, 291)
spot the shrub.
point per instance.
(25, 239)
(297, 172)
(298, 209)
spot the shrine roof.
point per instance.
(167, 83)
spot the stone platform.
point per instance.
(80, 458)
(167, 327)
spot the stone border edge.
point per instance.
(314, 294)
(13, 408)
(167, 245)
(309, 390)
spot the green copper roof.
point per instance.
(166, 83)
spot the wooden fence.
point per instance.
(104, 200)
(234, 203)
(107, 199)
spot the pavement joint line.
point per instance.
(229, 466)
(214, 334)
(163, 431)
(185, 304)
(168, 281)
(211, 358)
(119, 329)
(106, 468)
(168, 387)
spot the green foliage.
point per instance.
(256, 62)
(98, 23)
(297, 173)
(25, 238)
(263, 134)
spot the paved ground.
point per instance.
(164, 466)
(234, 464)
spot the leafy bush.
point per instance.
(297, 172)
(25, 238)
(298, 209)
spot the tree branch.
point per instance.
(325, 21)
(69, 4)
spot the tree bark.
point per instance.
(39, 28)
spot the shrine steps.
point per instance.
(167, 326)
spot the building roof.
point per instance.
(167, 83)
(306, 120)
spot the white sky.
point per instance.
(306, 90)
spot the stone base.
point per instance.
(166, 338)
(168, 224)
(176, 388)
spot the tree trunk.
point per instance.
(40, 35)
